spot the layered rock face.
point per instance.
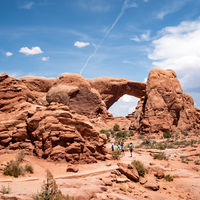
(53, 132)
(74, 91)
(58, 119)
(165, 107)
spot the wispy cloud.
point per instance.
(94, 6)
(127, 62)
(9, 54)
(33, 51)
(124, 7)
(27, 5)
(170, 8)
(45, 58)
(143, 37)
(81, 44)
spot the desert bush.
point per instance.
(160, 156)
(197, 162)
(13, 169)
(116, 154)
(141, 137)
(183, 161)
(116, 127)
(121, 134)
(50, 191)
(112, 133)
(28, 168)
(160, 146)
(167, 134)
(185, 133)
(20, 156)
(131, 133)
(168, 178)
(6, 190)
(140, 167)
(146, 142)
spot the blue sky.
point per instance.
(115, 38)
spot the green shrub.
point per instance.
(183, 161)
(140, 167)
(102, 131)
(50, 191)
(197, 162)
(13, 169)
(20, 156)
(131, 133)
(185, 133)
(167, 134)
(116, 154)
(160, 156)
(169, 178)
(28, 168)
(146, 142)
(121, 134)
(141, 137)
(161, 146)
(6, 190)
(116, 127)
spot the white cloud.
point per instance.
(136, 39)
(9, 54)
(27, 5)
(146, 37)
(171, 8)
(127, 62)
(145, 0)
(145, 80)
(45, 58)
(94, 5)
(33, 51)
(124, 106)
(143, 37)
(134, 5)
(128, 99)
(178, 48)
(81, 44)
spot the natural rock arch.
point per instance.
(111, 89)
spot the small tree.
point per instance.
(50, 190)
(140, 167)
(116, 127)
(167, 134)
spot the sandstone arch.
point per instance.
(111, 89)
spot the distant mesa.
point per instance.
(60, 118)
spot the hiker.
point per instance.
(131, 148)
(122, 150)
(113, 147)
(119, 147)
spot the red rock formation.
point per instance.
(39, 86)
(74, 91)
(13, 92)
(165, 107)
(111, 89)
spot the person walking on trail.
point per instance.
(122, 150)
(119, 147)
(113, 147)
(131, 148)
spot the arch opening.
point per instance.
(124, 106)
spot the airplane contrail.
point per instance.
(119, 16)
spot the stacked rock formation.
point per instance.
(58, 119)
(52, 132)
(164, 106)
